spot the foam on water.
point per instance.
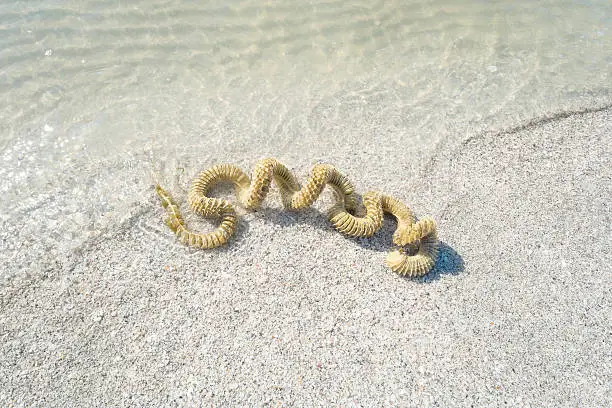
(96, 93)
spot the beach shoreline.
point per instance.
(290, 312)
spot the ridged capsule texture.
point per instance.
(219, 173)
(415, 265)
(344, 189)
(354, 226)
(309, 193)
(260, 184)
(415, 232)
(209, 207)
(252, 192)
(174, 219)
(403, 215)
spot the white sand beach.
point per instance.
(516, 310)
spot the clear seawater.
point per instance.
(96, 94)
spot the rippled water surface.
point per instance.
(95, 94)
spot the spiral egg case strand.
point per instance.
(417, 242)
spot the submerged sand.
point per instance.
(516, 312)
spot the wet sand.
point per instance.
(516, 312)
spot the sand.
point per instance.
(516, 312)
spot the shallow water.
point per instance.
(96, 94)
